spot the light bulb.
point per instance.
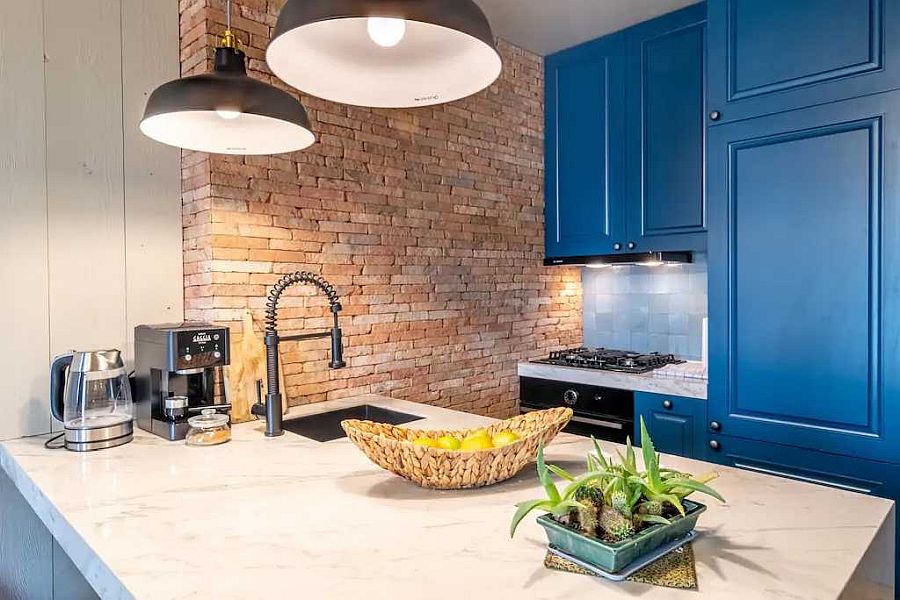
(228, 115)
(386, 32)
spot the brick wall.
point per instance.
(428, 221)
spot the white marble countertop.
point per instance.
(646, 382)
(285, 517)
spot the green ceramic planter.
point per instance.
(612, 558)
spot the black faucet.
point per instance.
(273, 405)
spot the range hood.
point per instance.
(649, 259)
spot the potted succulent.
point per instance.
(615, 513)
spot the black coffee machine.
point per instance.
(178, 373)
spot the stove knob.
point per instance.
(570, 397)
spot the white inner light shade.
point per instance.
(208, 131)
(387, 33)
(336, 60)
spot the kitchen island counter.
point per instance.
(289, 516)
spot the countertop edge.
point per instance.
(686, 388)
(96, 572)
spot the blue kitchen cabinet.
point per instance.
(804, 278)
(768, 56)
(665, 99)
(675, 424)
(585, 148)
(853, 474)
(625, 141)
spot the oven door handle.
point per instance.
(585, 420)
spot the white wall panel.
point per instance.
(90, 210)
(24, 332)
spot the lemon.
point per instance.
(424, 441)
(481, 442)
(505, 438)
(448, 442)
(478, 433)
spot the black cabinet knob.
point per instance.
(715, 115)
(715, 426)
(617, 246)
(667, 404)
(632, 245)
(714, 445)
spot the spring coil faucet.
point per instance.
(273, 405)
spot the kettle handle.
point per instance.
(58, 370)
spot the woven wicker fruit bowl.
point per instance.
(392, 448)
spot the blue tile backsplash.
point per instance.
(647, 309)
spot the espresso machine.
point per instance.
(178, 373)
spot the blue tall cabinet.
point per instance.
(625, 122)
(804, 239)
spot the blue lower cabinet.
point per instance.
(844, 472)
(676, 424)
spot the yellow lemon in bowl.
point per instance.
(472, 444)
(505, 438)
(428, 442)
(478, 433)
(448, 442)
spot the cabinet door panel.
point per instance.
(804, 249)
(771, 55)
(585, 149)
(666, 111)
(675, 424)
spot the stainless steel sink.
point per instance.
(324, 427)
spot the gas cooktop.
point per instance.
(609, 360)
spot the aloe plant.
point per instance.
(557, 503)
(664, 486)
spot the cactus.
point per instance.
(651, 507)
(615, 525)
(587, 519)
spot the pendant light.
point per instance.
(225, 111)
(384, 53)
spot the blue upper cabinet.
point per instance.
(804, 271)
(585, 156)
(768, 56)
(628, 179)
(665, 96)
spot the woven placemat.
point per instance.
(674, 570)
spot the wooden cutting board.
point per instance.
(248, 366)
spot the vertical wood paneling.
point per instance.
(23, 221)
(85, 174)
(153, 238)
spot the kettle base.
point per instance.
(88, 440)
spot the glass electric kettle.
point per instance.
(91, 395)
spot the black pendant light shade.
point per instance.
(226, 112)
(385, 53)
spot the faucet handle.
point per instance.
(337, 349)
(259, 409)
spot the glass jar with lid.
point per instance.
(208, 429)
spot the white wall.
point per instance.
(90, 209)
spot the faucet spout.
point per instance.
(274, 403)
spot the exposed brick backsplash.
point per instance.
(428, 221)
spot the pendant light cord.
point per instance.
(228, 14)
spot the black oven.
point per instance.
(605, 413)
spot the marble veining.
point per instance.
(646, 382)
(259, 517)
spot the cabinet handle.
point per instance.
(715, 426)
(667, 404)
(632, 245)
(617, 246)
(715, 115)
(714, 445)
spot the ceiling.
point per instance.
(545, 26)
